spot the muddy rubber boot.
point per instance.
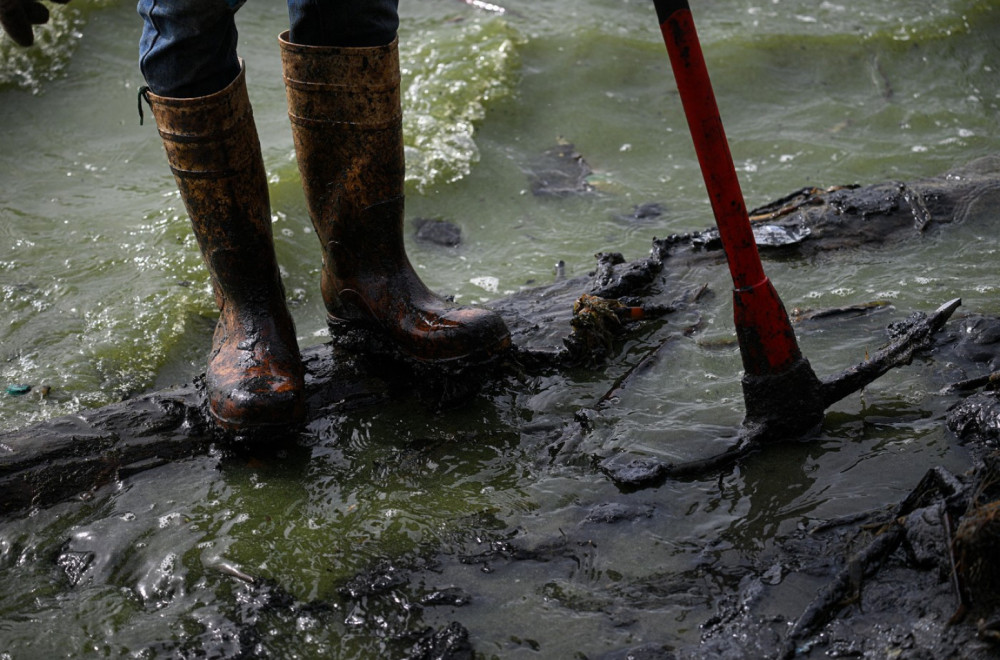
(344, 107)
(255, 373)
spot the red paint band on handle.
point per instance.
(767, 340)
(710, 143)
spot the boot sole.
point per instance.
(376, 340)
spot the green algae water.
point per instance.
(105, 297)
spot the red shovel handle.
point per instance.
(767, 341)
(710, 142)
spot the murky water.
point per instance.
(105, 296)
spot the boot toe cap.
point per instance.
(463, 333)
(254, 404)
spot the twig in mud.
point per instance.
(935, 480)
(974, 383)
(642, 366)
(808, 196)
(961, 606)
(832, 597)
(914, 334)
(850, 519)
(743, 448)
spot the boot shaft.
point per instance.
(344, 106)
(255, 376)
(207, 136)
(214, 153)
(342, 85)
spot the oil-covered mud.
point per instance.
(914, 580)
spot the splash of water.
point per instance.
(448, 82)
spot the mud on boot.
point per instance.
(255, 377)
(344, 107)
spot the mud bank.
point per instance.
(66, 456)
(884, 579)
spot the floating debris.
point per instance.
(438, 231)
(18, 389)
(769, 235)
(642, 214)
(560, 172)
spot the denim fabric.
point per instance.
(188, 47)
(354, 23)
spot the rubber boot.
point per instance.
(255, 373)
(344, 106)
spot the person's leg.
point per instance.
(344, 105)
(350, 23)
(187, 47)
(255, 374)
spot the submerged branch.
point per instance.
(69, 456)
(787, 423)
(846, 584)
(916, 336)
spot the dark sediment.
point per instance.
(883, 579)
(66, 456)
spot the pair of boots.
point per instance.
(344, 106)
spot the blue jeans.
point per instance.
(188, 47)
